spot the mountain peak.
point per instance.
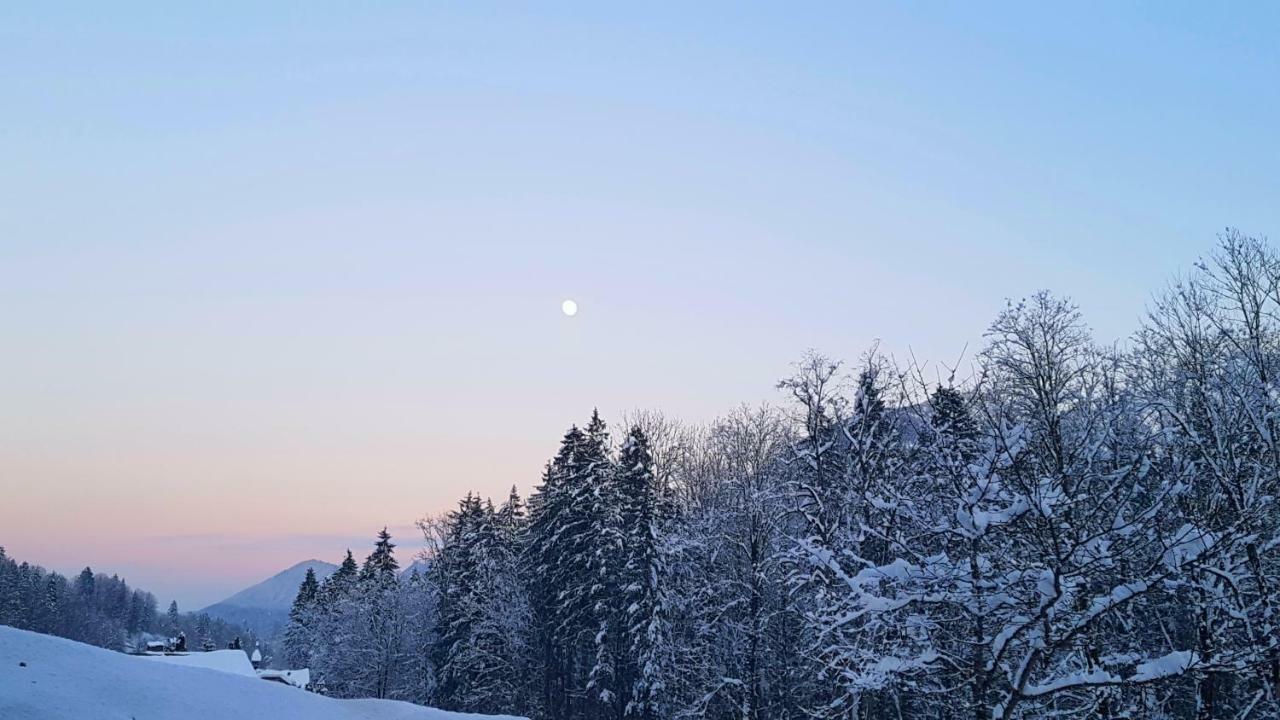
(264, 608)
(278, 591)
(301, 568)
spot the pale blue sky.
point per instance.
(278, 274)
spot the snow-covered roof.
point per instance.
(297, 678)
(228, 661)
(256, 656)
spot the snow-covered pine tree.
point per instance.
(381, 565)
(556, 519)
(343, 580)
(85, 585)
(600, 592)
(334, 629)
(298, 636)
(644, 662)
(481, 652)
(202, 640)
(50, 619)
(417, 677)
(512, 515)
(360, 627)
(953, 429)
(380, 627)
(455, 581)
(511, 585)
(142, 612)
(574, 547)
(173, 619)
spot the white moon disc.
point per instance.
(569, 308)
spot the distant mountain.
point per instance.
(278, 591)
(419, 566)
(264, 608)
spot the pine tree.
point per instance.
(511, 580)
(307, 592)
(380, 642)
(601, 590)
(554, 522)
(641, 575)
(511, 516)
(574, 552)
(203, 639)
(480, 654)
(86, 584)
(51, 617)
(298, 637)
(341, 583)
(951, 418)
(173, 619)
(418, 674)
(455, 583)
(331, 626)
(381, 565)
(8, 589)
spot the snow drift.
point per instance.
(48, 678)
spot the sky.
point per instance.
(275, 275)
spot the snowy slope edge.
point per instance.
(48, 678)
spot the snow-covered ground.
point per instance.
(66, 680)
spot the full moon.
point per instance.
(569, 308)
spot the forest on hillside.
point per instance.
(1067, 530)
(101, 610)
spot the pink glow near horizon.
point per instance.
(198, 570)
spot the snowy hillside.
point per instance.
(264, 607)
(48, 678)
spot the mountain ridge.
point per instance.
(264, 606)
(278, 591)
